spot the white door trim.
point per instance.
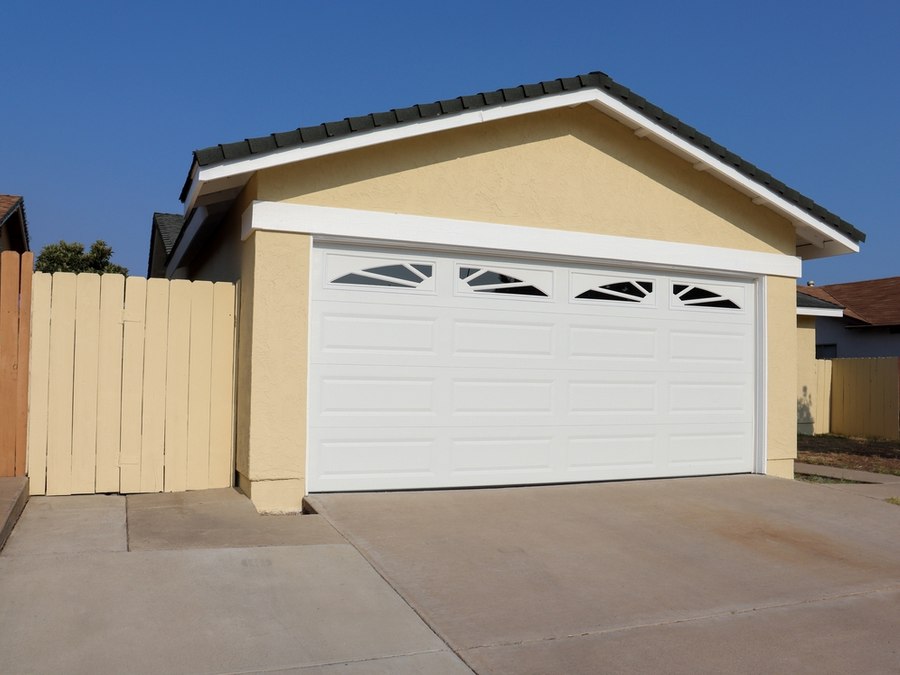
(398, 229)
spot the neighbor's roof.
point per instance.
(169, 227)
(426, 111)
(9, 204)
(804, 299)
(875, 302)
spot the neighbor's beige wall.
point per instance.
(221, 260)
(572, 169)
(807, 390)
(272, 370)
(781, 338)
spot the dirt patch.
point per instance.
(861, 454)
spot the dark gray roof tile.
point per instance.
(286, 139)
(384, 119)
(453, 105)
(262, 144)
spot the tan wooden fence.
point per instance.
(820, 398)
(132, 384)
(865, 397)
(15, 304)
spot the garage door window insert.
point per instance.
(694, 296)
(402, 275)
(620, 291)
(485, 280)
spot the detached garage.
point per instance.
(553, 283)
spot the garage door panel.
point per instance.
(372, 395)
(613, 343)
(494, 339)
(501, 396)
(601, 397)
(465, 380)
(710, 448)
(620, 452)
(388, 456)
(499, 456)
(366, 334)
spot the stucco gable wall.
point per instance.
(572, 169)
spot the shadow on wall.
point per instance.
(804, 413)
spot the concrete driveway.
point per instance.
(738, 574)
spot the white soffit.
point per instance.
(424, 231)
(824, 239)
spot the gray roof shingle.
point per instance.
(597, 80)
(169, 226)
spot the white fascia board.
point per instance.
(423, 231)
(596, 97)
(819, 311)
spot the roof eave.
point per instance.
(815, 237)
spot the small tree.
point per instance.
(71, 257)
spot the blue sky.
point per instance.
(103, 102)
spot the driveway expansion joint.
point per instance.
(325, 664)
(691, 619)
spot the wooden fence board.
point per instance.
(84, 420)
(24, 348)
(178, 363)
(132, 384)
(9, 338)
(221, 423)
(199, 385)
(109, 382)
(39, 383)
(62, 366)
(153, 428)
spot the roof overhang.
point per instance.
(819, 311)
(814, 238)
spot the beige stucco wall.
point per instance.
(272, 370)
(572, 169)
(781, 327)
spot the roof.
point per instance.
(426, 111)
(169, 226)
(873, 303)
(813, 302)
(9, 205)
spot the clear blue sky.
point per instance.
(103, 102)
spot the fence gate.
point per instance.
(132, 384)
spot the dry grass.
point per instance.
(861, 454)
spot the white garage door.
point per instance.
(436, 370)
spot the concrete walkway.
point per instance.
(739, 574)
(198, 583)
(879, 486)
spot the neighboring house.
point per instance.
(556, 282)
(869, 325)
(13, 225)
(164, 231)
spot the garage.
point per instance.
(433, 369)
